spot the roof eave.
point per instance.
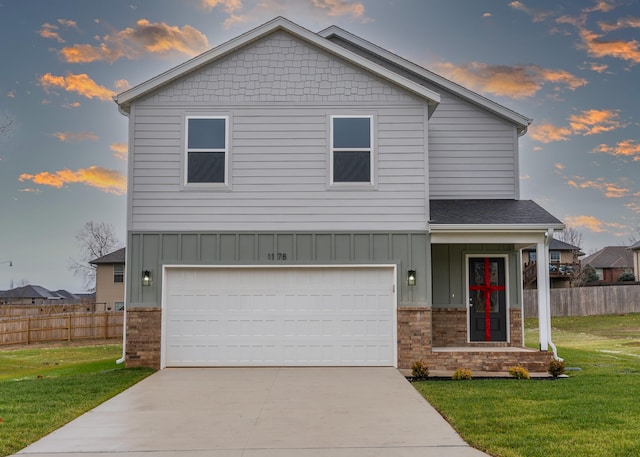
(459, 228)
(125, 99)
(522, 122)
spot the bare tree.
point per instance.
(5, 125)
(95, 239)
(570, 236)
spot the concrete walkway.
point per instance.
(261, 412)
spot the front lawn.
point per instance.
(595, 412)
(42, 389)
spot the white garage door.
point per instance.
(301, 316)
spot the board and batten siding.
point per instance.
(279, 94)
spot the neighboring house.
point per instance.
(300, 198)
(610, 262)
(110, 281)
(564, 265)
(36, 295)
(635, 250)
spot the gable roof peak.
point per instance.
(279, 23)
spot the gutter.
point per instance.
(547, 243)
(124, 321)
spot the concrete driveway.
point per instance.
(261, 412)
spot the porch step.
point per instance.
(488, 359)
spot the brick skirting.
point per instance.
(414, 335)
(143, 337)
(450, 328)
(494, 360)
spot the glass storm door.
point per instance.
(487, 299)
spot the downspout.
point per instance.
(124, 320)
(547, 243)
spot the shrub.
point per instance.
(589, 274)
(626, 277)
(420, 370)
(462, 374)
(556, 368)
(519, 372)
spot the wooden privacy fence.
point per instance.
(11, 310)
(60, 327)
(587, 301)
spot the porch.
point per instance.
(487, 359)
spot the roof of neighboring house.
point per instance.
(610, 257)
(520, 213)
(635, 246)
(118, 256)
(557, 245)
(40, 292)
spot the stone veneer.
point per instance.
(450, 328)
(414, 335)
(143, 337)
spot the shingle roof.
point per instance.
(610, 257)
(557, 245)
(635, 246)
(118, 256)
(490, 212)
(30, 291)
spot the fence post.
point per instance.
(106, 325)
(28, 328)
(69, 327)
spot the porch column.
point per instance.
(542, 263)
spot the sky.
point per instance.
(572, 66)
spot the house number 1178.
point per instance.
(277, 256)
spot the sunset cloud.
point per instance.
(120, 150)
(230, 6)
(50, 32)
(598, 47)
(133, 42)
(81, 84)
(70, 136)
(594, 121)
(519, 82)
(628, 22)
(610, 190)
(104, 179)
(547, 133)
(341, 8)
(625, 148)
(536, 15)
(593, 224)
(588, 122)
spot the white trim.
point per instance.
(370, 149)
(506, 292)
(522, 121)
(125, 99)
(186, 151)
(392, 267)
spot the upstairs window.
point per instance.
(118, 273)
(207, 150)
(351, 149)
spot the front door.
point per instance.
(487, 299)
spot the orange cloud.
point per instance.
(597, 47)
(594, 121)
(592, 223)
(104, 179)
(537, 15)
(602, 6)
(519, 82)
(610, 190)
(50, 32)
(341, 8)
(121, 150)
(625, 148)
(629, 22)
(598, 67)
(230, 6)
(80, 84)
(69, 136)
(547, 133)
(132, 42)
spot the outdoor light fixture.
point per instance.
(411, 277)
(146, 278)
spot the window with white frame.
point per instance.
(352, 149)
(554, 256)
(118, 273)
(207, 150)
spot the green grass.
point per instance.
(595, 412)
(42, 389)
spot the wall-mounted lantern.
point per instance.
(146, 278)
(411, 277)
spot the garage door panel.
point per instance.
(279, 316)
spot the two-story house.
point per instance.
(110, 281)
(300, 198)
